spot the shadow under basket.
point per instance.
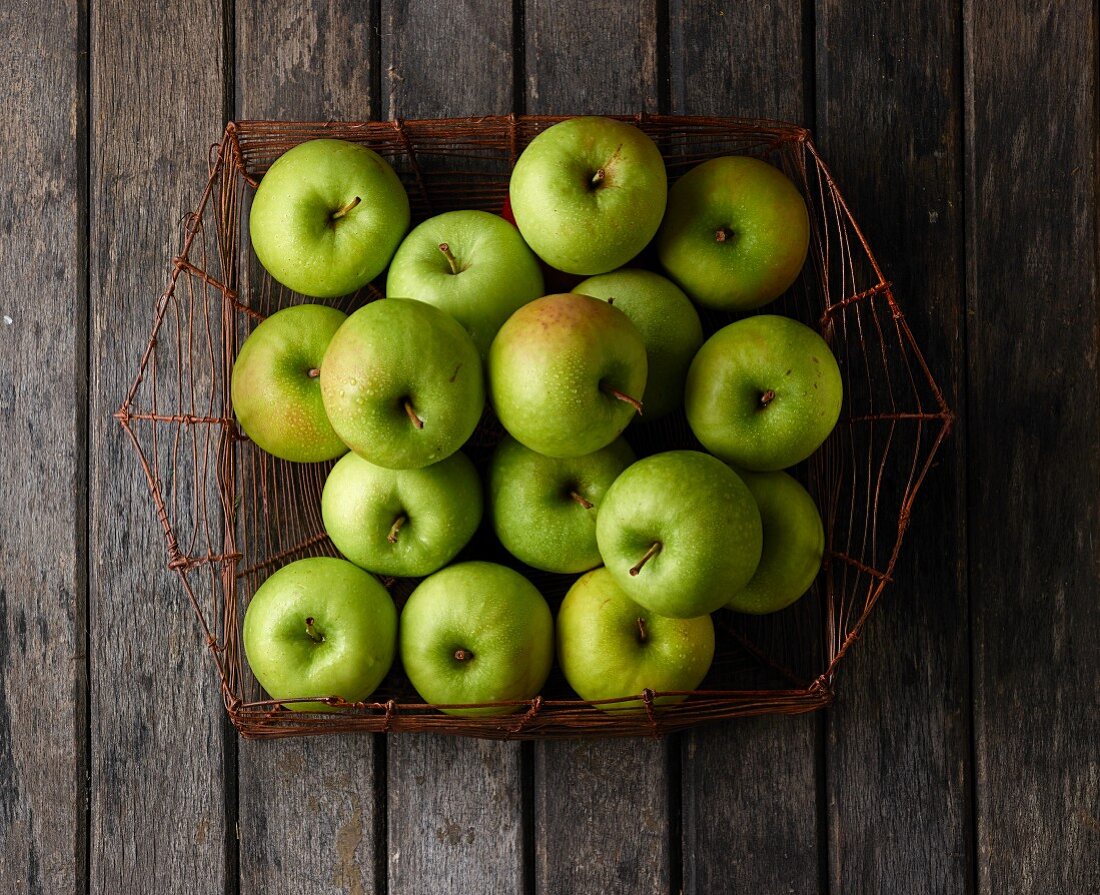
(232, 514)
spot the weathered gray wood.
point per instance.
(455, 819)
(309, 809)
(308, 816)
(601, 806)
(750, 822)
(306, 61)
(898, 743)
(591, 58)
(43, 382)
(158, 729)
(455, 815)
(749, 787)
(602, 813)
(737, 59)
(441, 61)
(1034, 442)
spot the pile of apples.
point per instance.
(397, 388)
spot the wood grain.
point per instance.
(314, 60)
(308, 816)
(310, 810)
(602, 807)
(43, 383)
(602, 816)
(591, 58)
(737, 58)
(441, 61)
(750, 789)
(158, 728)
(455, 819)
(749, 801)
(901, 725)
(455, 816)
(1034, 442)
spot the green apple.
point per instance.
(794, 542)
(566, 373)
(680, 533)
(476, 632)
(327, 217)
(320, 627)
(763, 393)
(471, 264)
(544, 509)
(610, 647)
(401, 522)
(588, 194)
(402, 384)
(669, 325)
(275, 389)
(736, 233)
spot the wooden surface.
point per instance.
(963, 754)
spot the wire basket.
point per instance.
(232, 514)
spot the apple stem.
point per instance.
(463, 655)
(313, 373)
(722, 234)
(314, 635)
(395, 528)
(445, 248)
(633, 402)
(598, 177)
(580, 498)
(413, 418)
(766, 398)
(340, 212)
(642, 636)
(653, 550)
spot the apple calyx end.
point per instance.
(581, 499)
(463, 655)
(340, 212)
(653, 550)
(413, 418)
(625, 398)
(723, 234)
(312, 632)
(396, 527)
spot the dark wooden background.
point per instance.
(962, 755)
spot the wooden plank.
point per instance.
(899, 735)
(728, 60)
(310, 810)
(602, 807)
(591, 58)
(455, 817)
(602, 816)
(307, 61)
(158, 728)
(1034, 445)
(438, 62)
(750, 818)
(43, 426)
